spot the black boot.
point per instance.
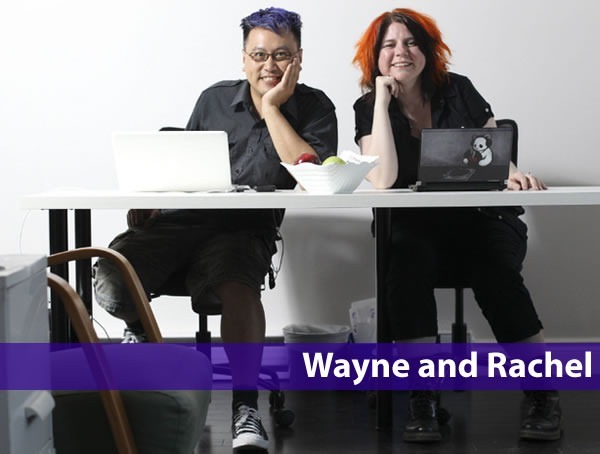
(542, 416)
(424, 417)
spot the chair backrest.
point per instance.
(130, 277)
(85, 421)
(111, 399)
(508, 123)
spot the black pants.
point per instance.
(490, 244)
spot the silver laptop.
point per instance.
(464, 159)
(172, 161)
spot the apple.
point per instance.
(334, 160)
(308, 157)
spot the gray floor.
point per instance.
(341, 422)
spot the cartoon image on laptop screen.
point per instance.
(464, 159)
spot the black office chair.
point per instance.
(454, 277)
(211, 305)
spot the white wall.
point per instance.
(73, 72)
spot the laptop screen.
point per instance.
(465, 155)
(172, 161)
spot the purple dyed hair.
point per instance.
(278, 20)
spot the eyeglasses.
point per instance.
(261, 57)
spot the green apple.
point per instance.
(334, 160)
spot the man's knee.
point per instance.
(111, 291)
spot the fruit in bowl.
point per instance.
(335, 160)
(333, 177)
(308, 157)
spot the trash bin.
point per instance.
(295, 335)
(323, 334)
(363, 319)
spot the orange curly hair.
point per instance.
(426, 33)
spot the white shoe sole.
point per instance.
(250, 441)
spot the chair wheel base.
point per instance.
(281, 416)
(284, 418)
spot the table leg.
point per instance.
(382, 221)
(83, 268)
(60, 329)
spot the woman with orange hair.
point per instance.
(407, 85)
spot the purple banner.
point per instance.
(574, 366)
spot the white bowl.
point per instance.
(329, 178)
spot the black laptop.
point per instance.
(464, 159)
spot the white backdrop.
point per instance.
(74, 72)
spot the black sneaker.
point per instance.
(424, 417)
(130, 337)
(542, 416)
(247, 430)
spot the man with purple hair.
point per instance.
(225, 254)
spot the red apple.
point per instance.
(308, 157)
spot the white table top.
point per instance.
(90, 199)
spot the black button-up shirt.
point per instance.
(227, 106)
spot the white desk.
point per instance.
(82, 199)
(58, 202)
